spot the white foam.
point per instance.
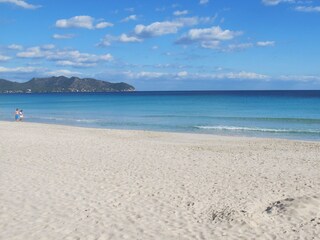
(274, 130)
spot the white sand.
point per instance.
(59, 182)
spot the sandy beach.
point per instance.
(61, 182)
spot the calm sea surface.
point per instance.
(279, 114)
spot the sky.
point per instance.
(164, 45)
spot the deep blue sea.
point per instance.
(275, 114)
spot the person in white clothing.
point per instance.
(21, 115)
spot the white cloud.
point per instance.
(210, 44)
(4, 58)
(157, 29)
(106, 57)
(78, 59)
(48, 46)
(218, 75)
(106, 41)
(276, 2)
(179, 13)
(300, 8)
(103, 25)
(37, 51)
(21, 3)
(126, 38)
(20, 70)
(150, 75)
(68, 63)
(242, 75)
(171, 66)
(62, 72)
(130, 18)
(146, 74)
(153, 75)
(62, 36)
(77, 21)
(243, 46)
(72, 58)
(215, 44)
(32, 52)
(207, 37)
(308, 9)
(212, 33)
(87, 22)
(182, 74)
(191, 21)
(300, 78)
(202, 2)
(266, 44)
(15, 47)
(237, 47)
(167, 27)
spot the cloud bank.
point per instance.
(87, 22)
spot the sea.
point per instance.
(266, 114)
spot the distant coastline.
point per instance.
(259, 91)
(63, 84)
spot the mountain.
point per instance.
(62, 84)
(5, 84)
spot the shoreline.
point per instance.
(168, 132)
(62, 182)
(152, 91)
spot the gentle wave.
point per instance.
(293, 120)
(67, 119)
(49, 118)
(253, 129)
(271, 119)
(88, 120)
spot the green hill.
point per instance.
(62, 84)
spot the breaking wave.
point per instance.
(255, 129)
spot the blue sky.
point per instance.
(165, 45)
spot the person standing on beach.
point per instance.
(17, 115)
(21, 115)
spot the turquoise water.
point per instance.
(279, 114)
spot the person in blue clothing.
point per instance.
(17, 115)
